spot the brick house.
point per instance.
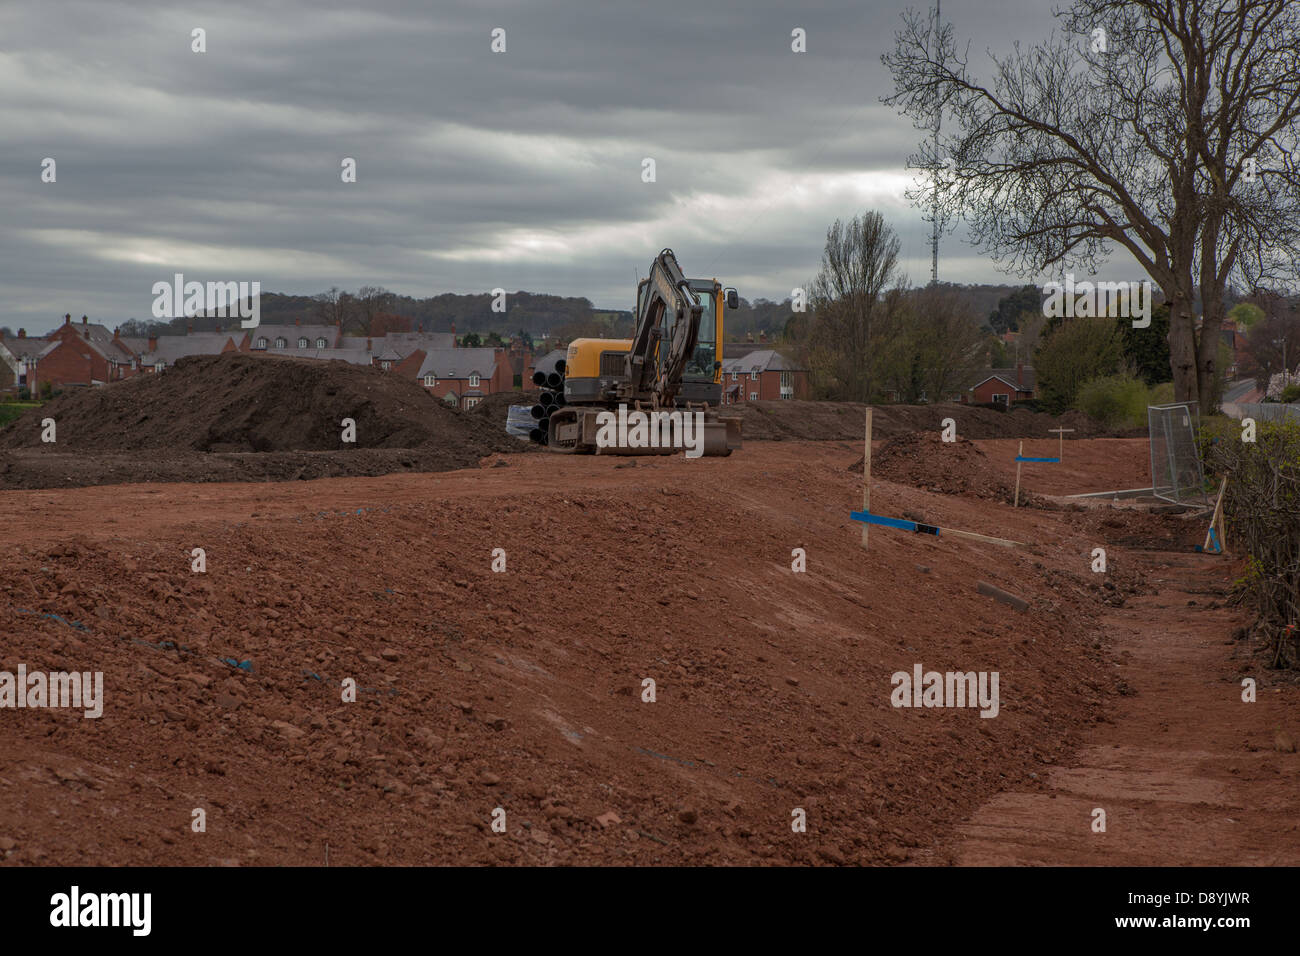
(761, 375)
(81, 353)
(459, 376)
(1001, 386)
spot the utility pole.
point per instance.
(934, 211)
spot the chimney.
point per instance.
(83, 320)
(153, 342)
(117, 333)
(22, 333)
(1020, 375)
(453, 327)
(297, 321)
(369, 347)
(67, 318)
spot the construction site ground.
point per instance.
(522, 690)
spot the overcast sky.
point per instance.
(474, 169)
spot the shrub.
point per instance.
(1116, 401)
(1163, 394)
(1262, 507)
(1291, 393)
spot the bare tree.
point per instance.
(372, 300)
(1167, 127)
(333, 307)
(859, 263)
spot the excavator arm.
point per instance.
(667, 326)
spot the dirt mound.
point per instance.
(830, 421)
(242, 404)
(924, 461)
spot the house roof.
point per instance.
(23, 348)
(404, 343)
(169, 348)
(353, 354)
(760, 360)
(292, 333)
(458, 363)
(1028, 378)
(547, 362)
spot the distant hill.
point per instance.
(530, 312)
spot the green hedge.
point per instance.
(1116, 401)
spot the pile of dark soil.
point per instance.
(244, 418)
(242, 403)
(924, 461)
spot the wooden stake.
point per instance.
(1019, 454)
(987, 539)
(866, 477)
(1216, 520)
(1060, 434)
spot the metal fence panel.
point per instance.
(1176, 472)
(1269, 412)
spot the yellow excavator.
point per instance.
(672, 363)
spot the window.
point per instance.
(320, 344)
(735, 376)
(281, 343)
(753, 376)
(386, 365)
(159, 366)
(473, 380)
(302, 341)
(1001, 399)
(430, 381)
(471, 402)
(753, 396)
(261, 343)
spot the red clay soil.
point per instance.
(1108, 464)
(1187, 773)
(522, 690)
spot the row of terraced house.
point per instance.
(78, 354)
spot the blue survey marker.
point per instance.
(916, 526)
(1022, 458)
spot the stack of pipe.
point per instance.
(551, 398)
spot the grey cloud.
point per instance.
(475, 170)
